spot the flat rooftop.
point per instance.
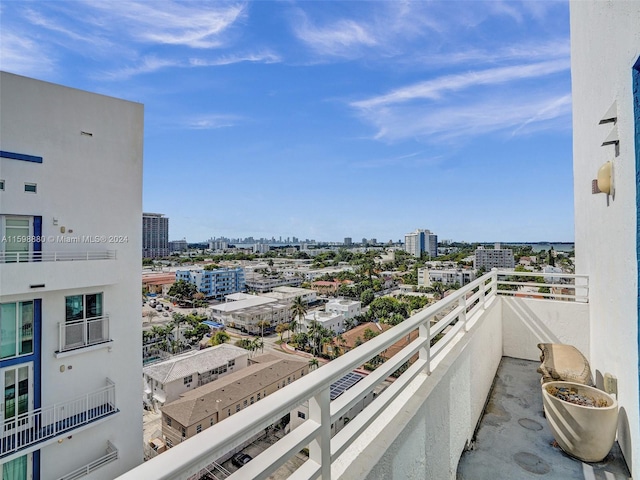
(514, 440)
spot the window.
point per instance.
(1, 184)
(168, 421)
(184, 432)
(288, 380)
(30, 187)
(245, 403)
(252, 401)
(232, 363)
(80, 307)
(188, 379)
(199, 427)
(169, 443)
(301, 415)
(258, 396)
(237, 408)
(16, 329)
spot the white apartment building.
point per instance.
(166, 381)
(71, 220)
(448, 276)
(329, 320)
(288, 294)
(496, 258)
(346, 308)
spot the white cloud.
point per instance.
(190, 24)
(450, 122)
(263, 57)
(211, 122)
(148, 64)
(434, 89)
(341, 38)
(22, 55)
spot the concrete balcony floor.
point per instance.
(514, 440)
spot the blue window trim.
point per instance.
(20, 156)
(35, 357)
(636, 115)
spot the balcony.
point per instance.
(32, 430)
(110, 456)
(47, 271)
(426, 418)
(83, 333)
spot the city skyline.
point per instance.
(294, 118)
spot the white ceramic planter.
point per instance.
(586, 433)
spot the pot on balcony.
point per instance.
(582, 431)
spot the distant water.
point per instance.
(558, 247)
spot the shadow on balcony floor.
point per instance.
(514, 440)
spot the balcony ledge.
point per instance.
(84, 349)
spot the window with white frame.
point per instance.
(84, 321)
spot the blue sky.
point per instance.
(327, 120)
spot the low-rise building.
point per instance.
(497, 258)
(166, 381)
(289, 294)
(329, 320)
(215, 283)
(449, 276)
(158, 283)
(261, 284)
(348, 308)
(324, 287)
(205, 406)
(254, 314)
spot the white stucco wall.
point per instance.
(605, 40)
(91, 185)
(527, 322)
(424, 431)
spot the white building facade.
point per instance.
(70, 360)
(329, 320)
(497, 258)
(605, 77)
(346, 308)
(445, 276)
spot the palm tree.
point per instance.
(257, 343)
(298, 309)
(313, 363)
(293, 326)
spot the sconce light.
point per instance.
(604, 182)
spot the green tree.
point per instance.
(369, 334)
(183, 290)
(313, 363)
(281, 328)
(298, 309)
(220, 337)
(367, 297)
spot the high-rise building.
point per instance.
(70, 357)
(155, 235)
(421, 241)
(348, 241)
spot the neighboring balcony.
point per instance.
(425, 418)
(83, 333)
(111, 455)
(22, 272)
(32, 430)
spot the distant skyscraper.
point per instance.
(155, 235)
(421, 241)
(348, 241)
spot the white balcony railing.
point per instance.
(23, 257)
(110, 456)
(557, 286)
(440, 326)
(83, 333)
(42, 424)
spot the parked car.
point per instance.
(159, 308)
(240, 459)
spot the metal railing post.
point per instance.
(320, 447)
(425, 352)
(462, 302)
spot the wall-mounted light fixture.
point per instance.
(604, 183)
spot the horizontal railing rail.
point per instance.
(35, 426)
(83, 333)
(555, 286)
(26, 257)
(440, 326)
(110, 456)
